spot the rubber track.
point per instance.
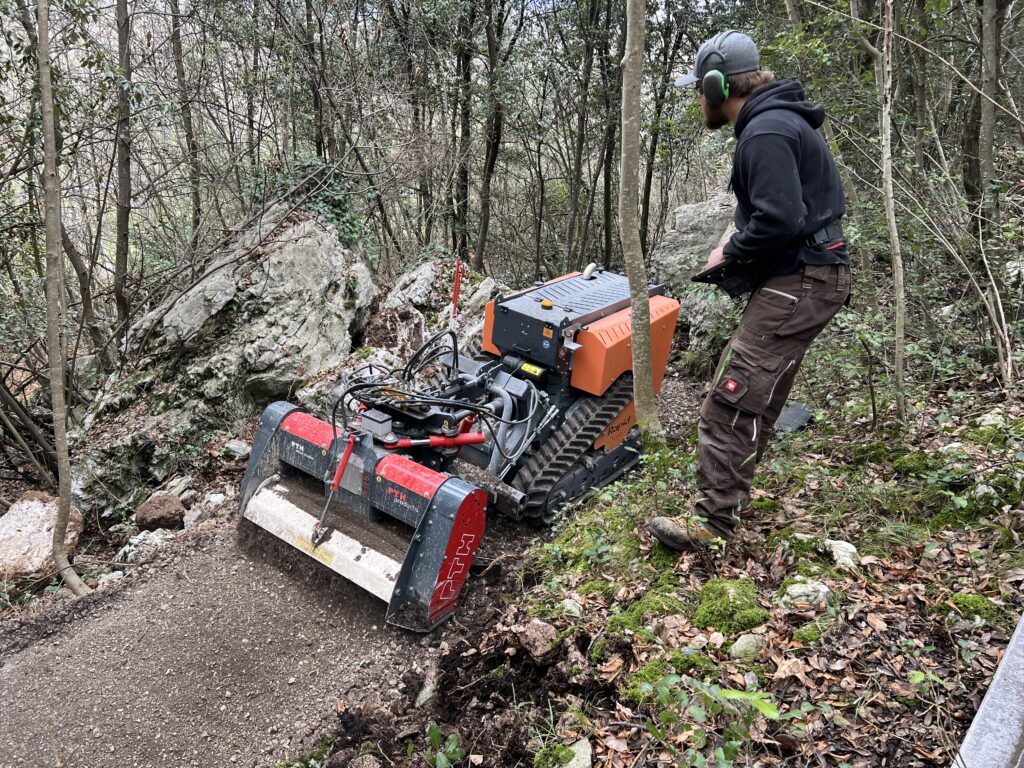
(567, 445)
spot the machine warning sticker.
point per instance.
(321, 554)
(547, 344)
(549, 333)
(533, 370)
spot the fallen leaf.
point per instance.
(906, 690)
(876, 622)
(616, 744)
(612, 668)
(791, 668)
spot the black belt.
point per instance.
(830, 233)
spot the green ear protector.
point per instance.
(715, 87)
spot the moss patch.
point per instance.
(730, 606)
(917, 463)
(811, 633)
(975, 605)
(766, 506)
(660, 601)
(874, 452)
(640, 685)
(552, 757)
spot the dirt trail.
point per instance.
(207, 657)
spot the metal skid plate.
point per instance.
(273, 509)
(403, 532)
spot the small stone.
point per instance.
(142, 545)
(429, 688)
(805, 595)
(365, 761)
(109, 578)
(291, 681)
(237, 448)
(160, 512)
(992, 419)
(537, 637)
(582, 754)
(747, 646)
(572, 608)
(844, 554)
(951, 447)
(178, 486)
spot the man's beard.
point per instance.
(714, 116)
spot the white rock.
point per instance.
(992, 419)
(804, 595)
(429, 688)
(746, 646)
(142, 545)
(26, 535)
(572, 608)
(214, 501)
(582, 754)
(844, 554)
(109, 578)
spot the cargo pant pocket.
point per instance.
(825, 296)
(745, 380)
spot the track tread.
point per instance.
(567, 445)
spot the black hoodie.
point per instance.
(786, 183)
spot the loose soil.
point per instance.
(225, 652)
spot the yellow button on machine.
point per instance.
(547, 303)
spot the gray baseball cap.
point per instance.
(729, 52)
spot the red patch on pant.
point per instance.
(731, 384)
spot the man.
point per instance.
(789, 252)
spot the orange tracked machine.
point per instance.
(392, 489)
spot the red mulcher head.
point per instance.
(398, 529)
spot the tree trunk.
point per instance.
(581, 134)
(990, 90)
(629, 228)
(92, 325)
(669, 55)
(464, 63)
(492, 132)
(124, 167)
(191, 145)
(885, 91)
(54, 298)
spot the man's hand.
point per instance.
(716, 257)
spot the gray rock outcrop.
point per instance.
(706, 315)
(277, 304)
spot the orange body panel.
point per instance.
(486, 344)
(606, 351)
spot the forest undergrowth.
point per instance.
(777, 650)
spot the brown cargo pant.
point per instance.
(752, 382)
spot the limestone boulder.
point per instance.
(427, 288)
(277, 304)
(397, 329)
(26, 535)
(707, 316)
